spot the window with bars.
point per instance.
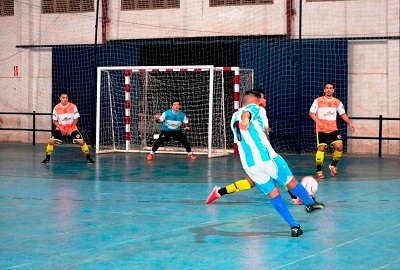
(67, 6)
(149, 4)
(219, 3)
(6, 8)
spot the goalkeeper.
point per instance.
(65, 118)
(172, 121)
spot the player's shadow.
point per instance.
(211, 230)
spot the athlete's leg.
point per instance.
(164, 136)
(50, 148)
(180, 136)
(337, 153)
(319, 156)
(281, 207)
(56, 137)
(239, 185)
(160, 141)
(299, 191)
(77, 137)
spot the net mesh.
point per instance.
(61, 51)
(151, 93)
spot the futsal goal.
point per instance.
(129, 97)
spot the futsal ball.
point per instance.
(310, 184)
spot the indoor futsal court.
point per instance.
(125, 212)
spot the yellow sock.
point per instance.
(337, 155)
(238, 186)
(85, 149)
(49, 149)
(319, 157)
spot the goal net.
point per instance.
(129, 97)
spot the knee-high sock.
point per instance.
(85, 149)
(337, 155)
(319, 159)
(282, 209)
(238, 186)
(49, 150)
(302, 193)
(290, 193)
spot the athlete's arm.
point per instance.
(347, 120)
(60, 127)
(244, 124)
(316, 120)
(160, 118)
(73, 125)
(185, 124)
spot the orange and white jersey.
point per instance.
(326, 111)
(65, 115)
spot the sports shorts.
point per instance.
(60, 138)
(267, 174)
(328, 139)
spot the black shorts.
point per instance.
(57, 135)
(328, 139)
(172, 135)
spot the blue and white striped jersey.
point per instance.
(253, 145)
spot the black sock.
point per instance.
(291, 195)
(222, 191)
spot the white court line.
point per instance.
(343, 244)
(129, 241)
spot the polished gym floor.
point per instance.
(125, 212)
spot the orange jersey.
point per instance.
(326, 111)
(65, 115)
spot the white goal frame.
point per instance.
(140, 69)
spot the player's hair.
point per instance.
(63, 93)
(253, 92)
(331, 83)
(261, 91)
(175, 100)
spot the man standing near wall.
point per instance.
(65, 118)
(324, 111)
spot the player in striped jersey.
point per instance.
(262, 164)
(324, 111)
(65, 118)
(247, 183)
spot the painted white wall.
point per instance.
(374, 83)
(374, 65)
(196, 19)
(367, 18)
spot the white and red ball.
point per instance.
(310, 184)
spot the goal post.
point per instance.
(128, 98)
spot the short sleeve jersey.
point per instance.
(65, 115)
(326, 111)
(173, 121)
(263, 114)
(253, 145)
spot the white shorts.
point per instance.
(265, 175)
